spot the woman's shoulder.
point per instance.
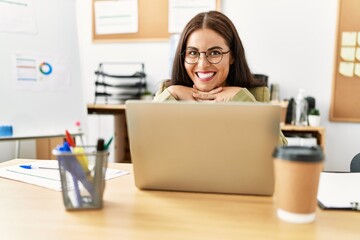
(261, 94)
(252, 94)
(162, 94)
(243, 95)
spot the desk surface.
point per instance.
(36, 136)
(106, 108)
(302, 128)
(32, 212)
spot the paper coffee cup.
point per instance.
(297, 173)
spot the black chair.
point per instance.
(262, 78)
(355, 163)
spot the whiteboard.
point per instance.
(40, 80)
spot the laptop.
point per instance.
(203, 147)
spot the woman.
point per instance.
(210, 64)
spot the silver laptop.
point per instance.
(203, 147)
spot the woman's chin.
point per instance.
(203, 88)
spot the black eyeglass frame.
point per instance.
(206, 56)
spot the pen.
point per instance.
(37, 167)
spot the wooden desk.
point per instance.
(120, 132)
(32, 212)
(44, 142)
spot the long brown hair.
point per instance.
(239, 72)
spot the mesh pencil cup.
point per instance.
(82, 175)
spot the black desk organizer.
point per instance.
(117, 82)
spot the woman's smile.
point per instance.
(205, 76)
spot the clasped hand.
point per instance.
(219, 94)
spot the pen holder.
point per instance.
(82, 177)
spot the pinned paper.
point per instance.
(346, 69)
(357, 69)
(347, 53)
(357, 55)
(348, 39)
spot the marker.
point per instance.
(100, 145)
(69, 139)
(37, 167)
(108, 143)
(80, 155)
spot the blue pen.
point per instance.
(37, 167)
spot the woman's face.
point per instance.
(205, 75)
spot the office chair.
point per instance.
(355, 163)
(262, 78)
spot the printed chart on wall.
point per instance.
(41, 73)
(40, 80)
(346, 81)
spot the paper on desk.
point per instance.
(338, 190)
(46, 177)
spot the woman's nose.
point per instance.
(203, 60)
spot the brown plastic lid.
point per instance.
(299, 153)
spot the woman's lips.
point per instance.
(205, 76)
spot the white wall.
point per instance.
(292, 41)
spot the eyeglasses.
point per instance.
(213, 56)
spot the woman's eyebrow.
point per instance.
(215, 47)
(192, 48)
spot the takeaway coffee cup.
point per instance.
(297, 173)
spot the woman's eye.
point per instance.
(192, 53)
(215, 52)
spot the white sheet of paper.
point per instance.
(338, 190)
(357, 55)
(348, 39)
(181, 11)
(357, 69)
(346, 69)
(17, 16)
(45, 177)
(41, 72)
(347, 53)
(113, 17)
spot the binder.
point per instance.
(339, 190)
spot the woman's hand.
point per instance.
(181, 92)
(220, 94)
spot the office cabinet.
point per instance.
(44, 146)
(316, 132)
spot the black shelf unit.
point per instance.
(117, 82)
